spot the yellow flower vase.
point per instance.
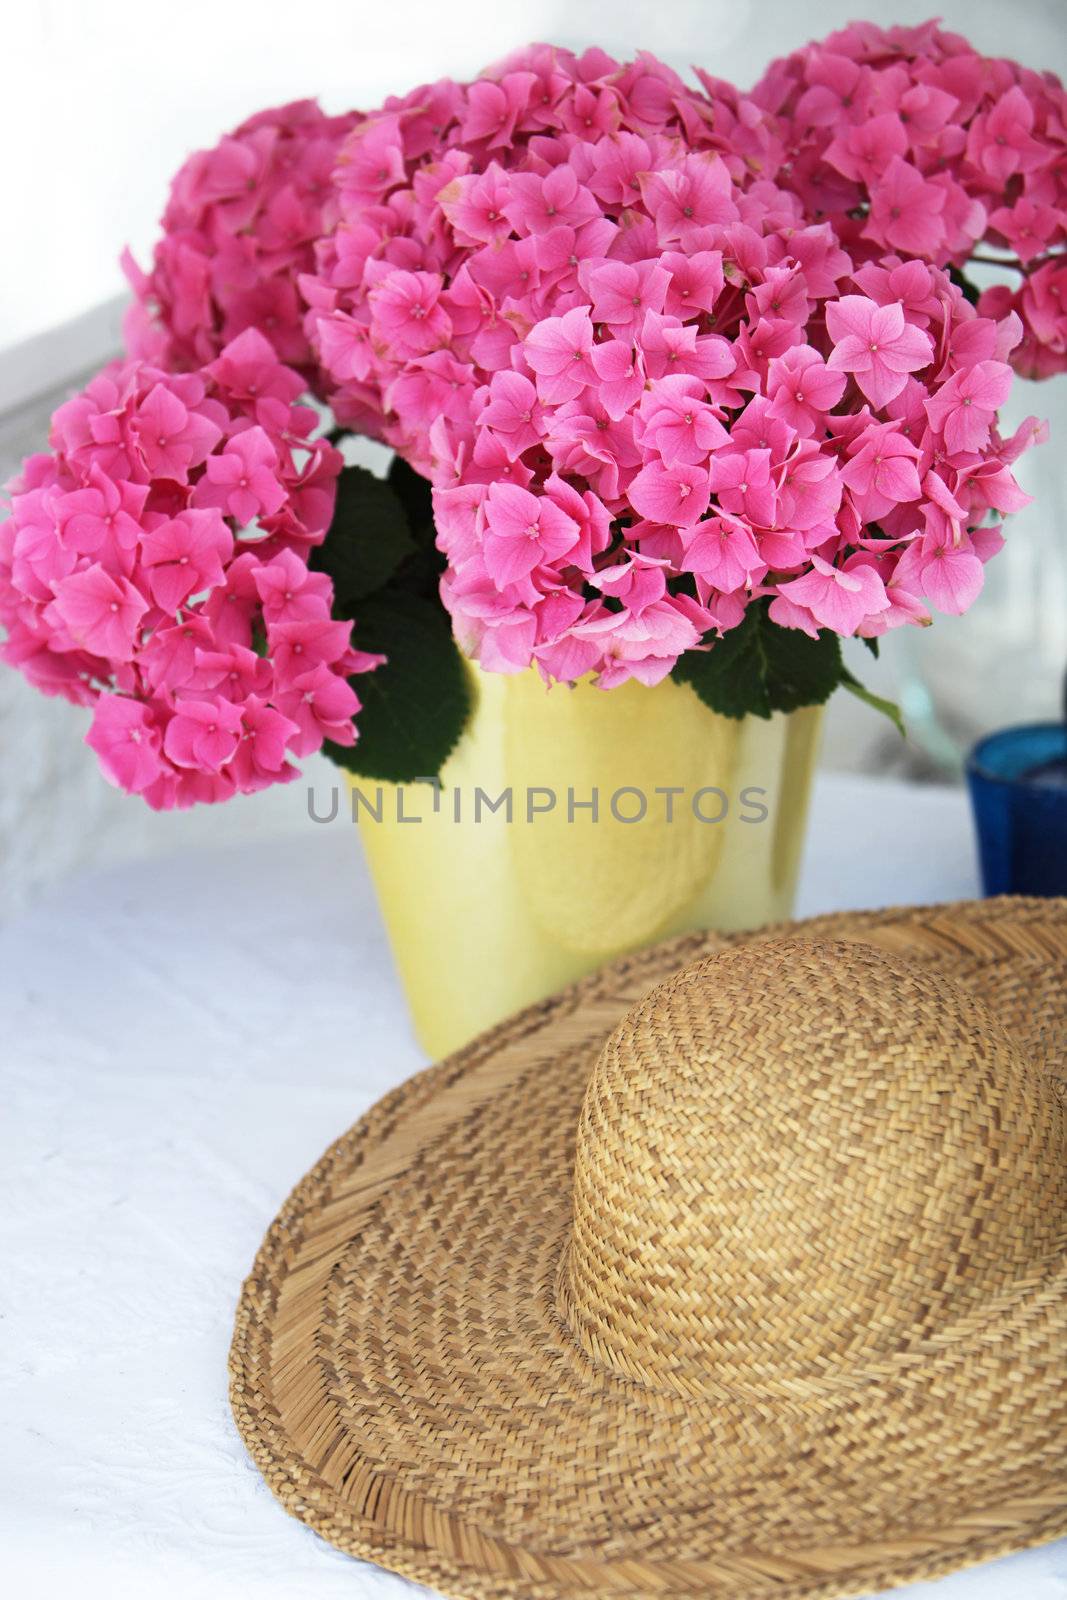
(572, 825)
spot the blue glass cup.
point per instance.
(1018, 784)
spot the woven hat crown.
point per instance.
(798, 1163)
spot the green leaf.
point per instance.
(416, 496)
(730, 677)
(759, 668)
(888, 708)
(421, 571)
(416, 705)
(800, 671)
(872, 646)
(368, 539)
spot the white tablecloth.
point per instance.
(181, 1039)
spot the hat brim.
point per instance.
(403, 1377)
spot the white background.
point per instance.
(103, 99)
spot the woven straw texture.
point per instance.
(735, 1270)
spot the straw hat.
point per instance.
(736, 1270)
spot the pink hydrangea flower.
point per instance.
(802, 389)
(964, 409)
(522, 531)
(240, 226)
(183, 555)
(876, 344)
(100, 611)
(909, 141)
(127, 742)
(560, 351)
(677, 494)
(170, 437)
(243, 479)
(263, 747)
(132, 582)
(203, 734)
(838, 598)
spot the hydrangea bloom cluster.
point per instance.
(911, 142)
(240, 225)
(155, 568)
(646, 392)
(525, 117)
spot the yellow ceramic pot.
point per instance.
(572, 825)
